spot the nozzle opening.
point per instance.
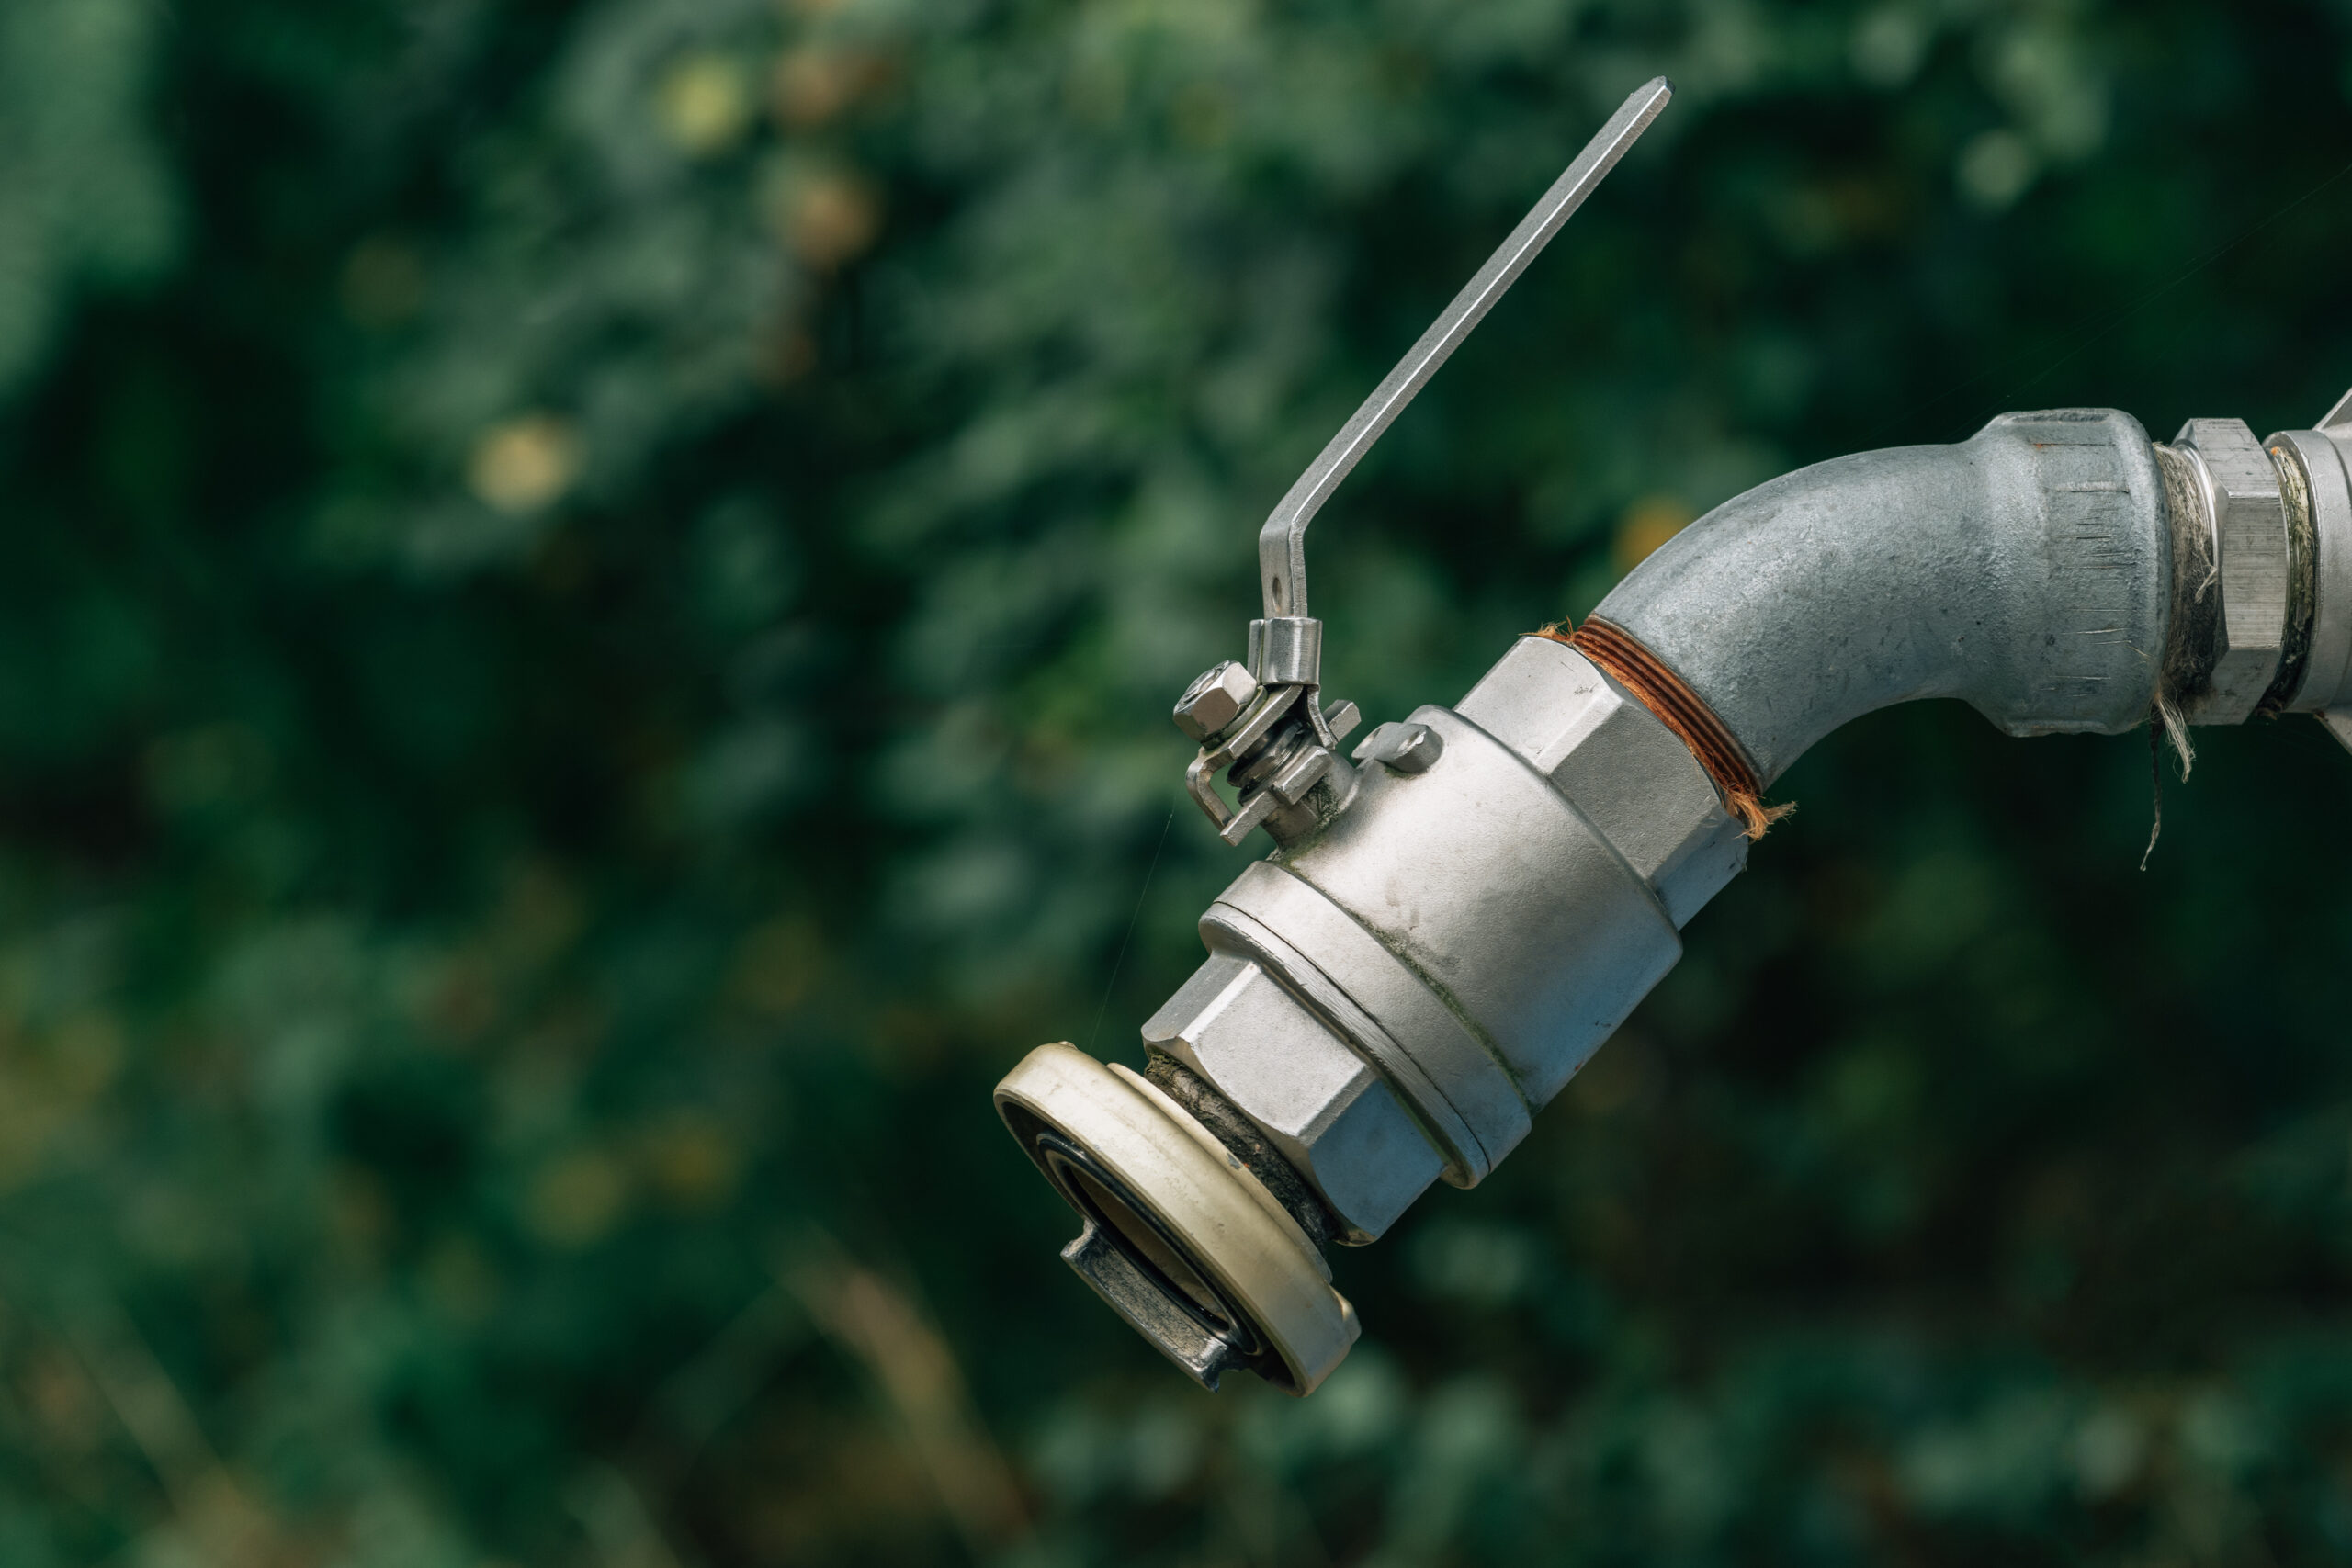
(1146, 1273)
(1179, 1238)
(1096, 1195)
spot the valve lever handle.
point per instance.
(1281, 544)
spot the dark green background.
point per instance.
(588, 599)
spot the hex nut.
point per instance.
(1326, 1109)
(1215, 699)
(1627, 773)
(2235, 483)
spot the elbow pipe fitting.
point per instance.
(2026, 571)
(1433, 951)
(2059, 572)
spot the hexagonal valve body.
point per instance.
(1388, 1001)
(1391, 999)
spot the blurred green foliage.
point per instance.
(587, 605)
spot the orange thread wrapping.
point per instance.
(1678, 707)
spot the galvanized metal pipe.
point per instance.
(2026, 571)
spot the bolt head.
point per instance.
(1214, 700)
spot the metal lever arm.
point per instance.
(1281, 544)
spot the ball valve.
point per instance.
(1459, 909)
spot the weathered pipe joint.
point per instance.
(2261, 533)
(1393, 994)
(1450, 927)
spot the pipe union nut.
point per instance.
(1328, 1111)
(1627, 773)
(2236, 484)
